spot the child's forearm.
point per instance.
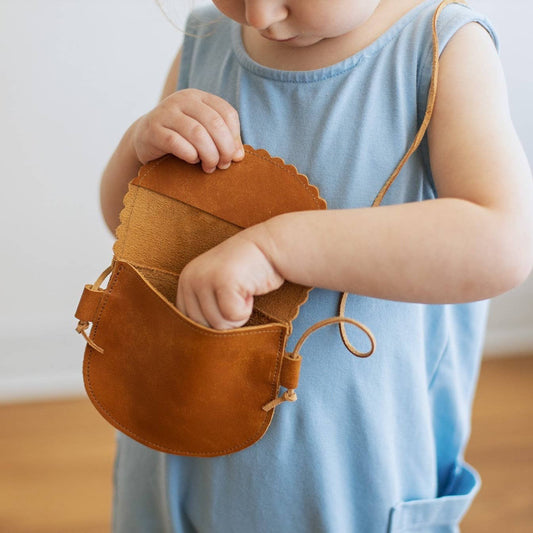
(436, 251)
(120, 170)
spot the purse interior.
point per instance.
(159, 235)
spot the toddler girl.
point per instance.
(339, 89)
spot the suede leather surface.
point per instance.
(173, 212)
(167, 382)
(174, 385)
(269, 183)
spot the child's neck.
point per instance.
(328, 51)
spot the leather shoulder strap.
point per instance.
(429, 106)
(416, 142)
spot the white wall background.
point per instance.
(74, 76)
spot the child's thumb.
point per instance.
(234, 307)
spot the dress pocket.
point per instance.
(438, 515)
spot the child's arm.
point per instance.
(473, 242)
(192, 125)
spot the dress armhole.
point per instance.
(453, 18)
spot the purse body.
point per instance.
(175, 385)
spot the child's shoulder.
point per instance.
(454, 16)
(454, 19)
(415, 18)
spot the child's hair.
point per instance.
(176, 14)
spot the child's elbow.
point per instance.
(519, 272)
(517, 253)
(524, 267)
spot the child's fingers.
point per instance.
(218, 310)
(206, 129)
(188, 304)
(174, 143)
(190, 131)
(212, 311)
(231, 118)
(194, 126)
(235, 309)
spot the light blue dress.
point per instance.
(373, 445)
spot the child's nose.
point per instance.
(261, 14)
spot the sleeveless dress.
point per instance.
(373, 445)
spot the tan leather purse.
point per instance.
(154, 374)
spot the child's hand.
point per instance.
(194, 126)
(216, 289)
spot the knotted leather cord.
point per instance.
(80, 328)
(418, 139)
(290, 394)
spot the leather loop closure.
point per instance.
(88, 306)
(89, 303)
(290, 374)
(86, 312)
(290, 370)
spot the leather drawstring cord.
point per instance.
(290, 394)
(83, 324)
(80, 328)
(416, 142)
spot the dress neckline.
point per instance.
(307, 76)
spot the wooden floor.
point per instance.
(56, 460)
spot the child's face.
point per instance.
(299, 23)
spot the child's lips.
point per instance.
(270, 38)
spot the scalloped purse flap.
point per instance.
(173, 212)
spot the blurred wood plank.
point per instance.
(56, 460)
(501, 448)
(56, 468)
